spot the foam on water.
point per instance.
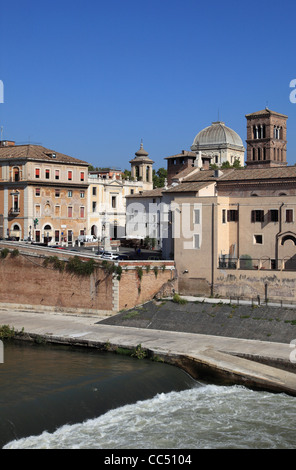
(201, 417)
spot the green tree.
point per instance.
(159, 177)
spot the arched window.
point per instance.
(288, 237)
(16, 173)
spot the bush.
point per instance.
(177, 299)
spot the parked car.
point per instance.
(123, 257)
(109, 255)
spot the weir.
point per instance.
(227, 360)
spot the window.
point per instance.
(82, 194)
(258, 239)
(69, 175)
(94, 206)
(132, 191)
(70, 193)
(82, 212)
(57, 193)
(273, 215)
(223, 216)
(257, 216)
(47, 174)
(82, 176)
(37, 236)
(37, 192)
(197, 216)
(70, 211)
(57, 211)
(57, 236)
(57, 174)
(70, 233)
(16, 173)
(113, 202)
(289, 215)
(232, 215)
(37, 172)
(196, 243)
(94, 191)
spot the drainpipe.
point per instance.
(237, 235)
(278, 234)
(213, 247)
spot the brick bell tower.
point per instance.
(266, 139)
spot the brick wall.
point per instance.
(25, 280)
(135, 290)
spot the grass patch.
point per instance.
(178, 300)
(131, 314)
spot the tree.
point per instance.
(159, 177)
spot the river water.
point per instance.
(56, 397)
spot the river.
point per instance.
(60, 397)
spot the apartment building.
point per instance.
(43, 194)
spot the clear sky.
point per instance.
(92, 78)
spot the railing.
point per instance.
(245, 262)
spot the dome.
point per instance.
(217, 134)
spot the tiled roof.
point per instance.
(261, 174)
(184, 153)
(37, 152)
(265, 111)
(188, 187)
(157, 192)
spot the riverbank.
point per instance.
(220, 318)
(257, 364)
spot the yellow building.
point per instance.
(43, 194)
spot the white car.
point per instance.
(109, 255)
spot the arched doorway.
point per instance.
(287, 251)
(16, 232)
(47, 230)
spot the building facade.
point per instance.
(107, 195)
(43, 194)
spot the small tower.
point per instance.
(141, 168)
(266, 139)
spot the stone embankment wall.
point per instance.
(26, 280)
(248, 284)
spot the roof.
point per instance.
(37, 152)
(217, 134)
(188, 187)
(264, 112)
(284, 172)
(141, 155)
(184, 153)
(157, 192)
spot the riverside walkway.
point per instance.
(236, 361)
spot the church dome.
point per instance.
(217, 134)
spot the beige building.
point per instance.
(233, 231)
(43, 194)
(108, 191)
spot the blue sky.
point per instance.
(92, 78)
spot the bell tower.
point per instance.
(141, 168)
(266, 139)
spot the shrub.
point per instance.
(4, 252)
(178, 300)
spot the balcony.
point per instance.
(14, 211)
